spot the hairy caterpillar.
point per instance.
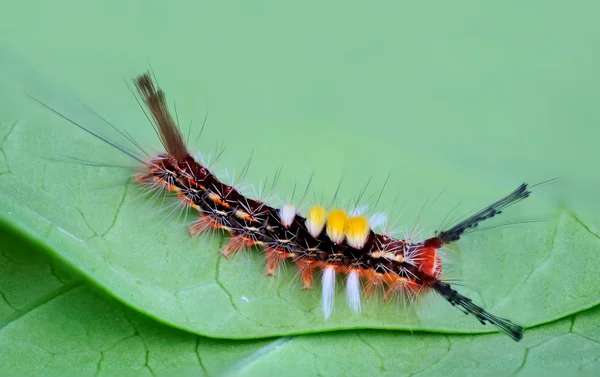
(333, 242)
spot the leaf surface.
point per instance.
(52, 323)
(340, 107)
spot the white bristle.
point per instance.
(359, 211)
(378, 220)
(328, 291)
(353, 292)
(412, 255)
(287, 213)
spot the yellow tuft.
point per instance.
(336, 224)
(315, 220)
(357, 231)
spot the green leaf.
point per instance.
(462, 108)
(146, 259)
(54, 324)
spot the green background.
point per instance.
(465, 98)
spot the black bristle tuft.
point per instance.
(453, 234)
(467, 306)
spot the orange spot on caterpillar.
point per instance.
(192, 182)
(274, 258)
(203, 224)
(236, 243)
(429, 261)
(246, 216)
(335, 266)
(399, 285)
(186, 199)
(374, 280)
(218, 200)
(306, 268)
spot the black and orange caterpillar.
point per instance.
(333, 242)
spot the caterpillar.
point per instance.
(334, 242)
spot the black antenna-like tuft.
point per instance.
(454, 233)
(467, 306)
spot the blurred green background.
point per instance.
(465, 97)
(451, 96)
